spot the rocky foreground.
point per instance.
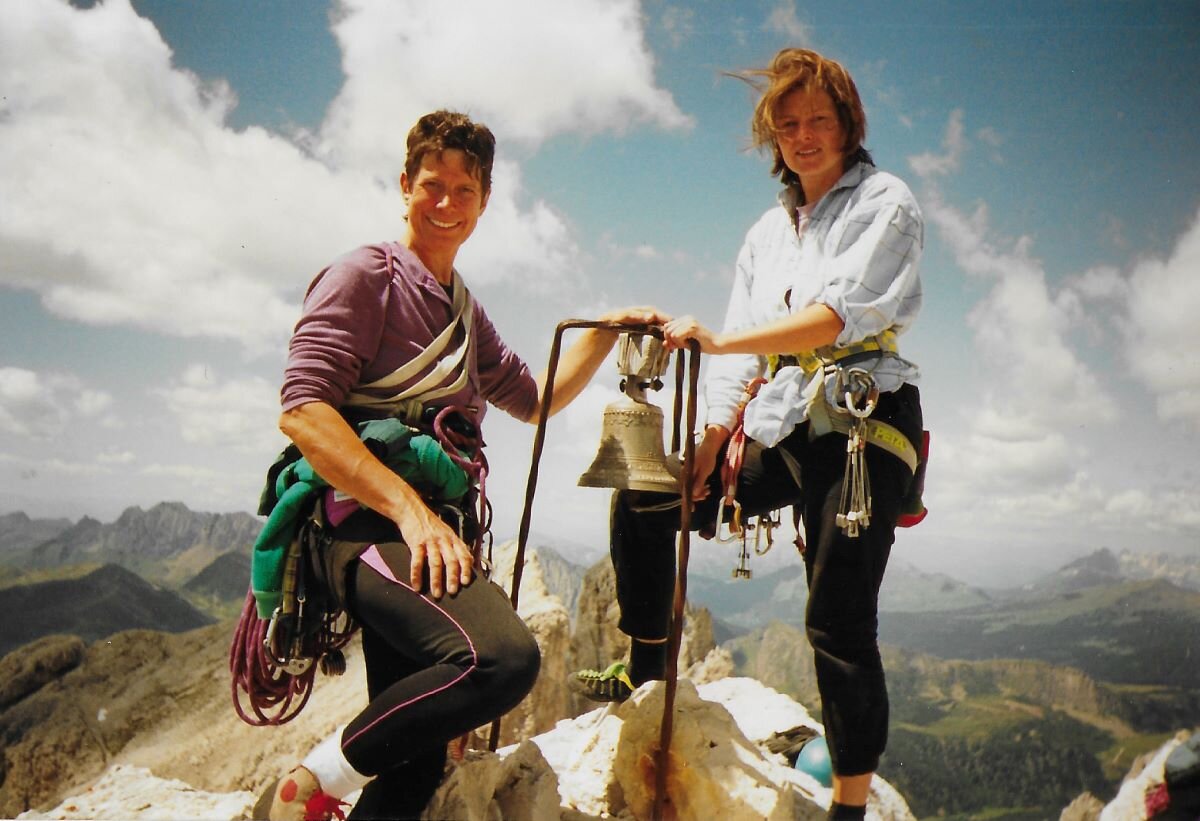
(140, 726)
(598, 765)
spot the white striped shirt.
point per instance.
(858, 254)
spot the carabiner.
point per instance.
(859, 383)
(733, 528)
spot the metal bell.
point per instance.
(631, 454)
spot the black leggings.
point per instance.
(843, 573)
(435, 668)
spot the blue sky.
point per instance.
(174, 174)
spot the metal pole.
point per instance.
(685, 522)
(539, 439)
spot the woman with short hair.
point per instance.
(391, 331)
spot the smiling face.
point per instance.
(445, 200)
(811, 139)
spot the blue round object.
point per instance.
(814, 760)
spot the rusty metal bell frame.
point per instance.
(631, 454)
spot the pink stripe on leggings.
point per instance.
(373, 559)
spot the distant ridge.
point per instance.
(227, 577)
(168, 544)
(18, 531)
(105, 601)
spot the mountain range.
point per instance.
(1071, 677)
(167, 544)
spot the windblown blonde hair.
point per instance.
(800, 69)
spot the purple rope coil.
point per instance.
(264, 694)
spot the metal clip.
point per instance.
(742, 571)
(859, 392)
(767, 522)
(854, 510)
(283, 643)
(733, 528)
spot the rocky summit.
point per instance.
(140, 726)
(102, 721)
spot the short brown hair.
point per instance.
(439, 130)
(795, 69)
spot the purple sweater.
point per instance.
(360, 323)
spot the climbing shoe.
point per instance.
(298, 797)
(612, 684)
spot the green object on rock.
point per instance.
(610, 684)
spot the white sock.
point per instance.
(328, 763)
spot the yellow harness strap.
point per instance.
(813, 361)
(825, 419)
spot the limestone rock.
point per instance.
(712, 763)
(718, 664)
(488, 787)
(1086, 807)
(550, 623)
(605, 764)
(1130, 801)
(135, 793)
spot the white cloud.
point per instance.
(136, 204)
(1103, 283)
(1022, 328)
(784, 20)
(678, 23)
(116, 457)
(530, 69)
(954, 143)
(41, 405)
(1174, 508)
(133, 203)
(236, 414)
(92, 403)
(1163, 303)
(1021, 451)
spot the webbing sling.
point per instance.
(812, 361)
(823, 417)
(408, 403)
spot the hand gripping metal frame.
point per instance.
(685, 514)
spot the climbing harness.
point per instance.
(857, 397)
(408, 404)
(443, 372)
(826, 355)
